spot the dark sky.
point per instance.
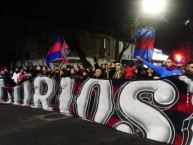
(19, 14)
(173, 32)
(20, 18)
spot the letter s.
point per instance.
(146, 116)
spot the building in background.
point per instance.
(92, 44)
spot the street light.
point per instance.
(153, 6)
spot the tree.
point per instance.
(125, 33)
(76, 45)
(127, 38)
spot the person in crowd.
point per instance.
(125, 65)
(143, 73)
(62, 72)
(8, 82)
(37, 71)
(79, 70)
(107, 70)
(56, 75)
(7, 78)
(68, 68)
(119, 73)
(45, 70)
(24, 76)
(164, 71)
(85, 75)
(21, 76)
(103, 68)
(112, 70)
(51, 74)
(188, 71)
(16, 74)
(130, 70)
(48, 71)
(73, 73)
(98, 74)
(140, 72)
(92, 72)
(151, 74)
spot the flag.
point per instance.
(65, 51)
(144, 43)
(54, 52)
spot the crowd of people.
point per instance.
(133, 70)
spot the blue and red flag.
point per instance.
(54, 52)
(144, 43)
(64, 51)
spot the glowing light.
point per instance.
(187, 22)
(154, 6)
(178, 57)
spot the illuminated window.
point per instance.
(104, 47)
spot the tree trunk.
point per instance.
(125, 47)
(76, 42)
(116, 49)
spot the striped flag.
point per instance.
(144, 43)
(54, 52)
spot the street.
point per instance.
(31, 126)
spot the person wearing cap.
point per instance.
(164, 71)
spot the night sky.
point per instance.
(24, 18)
(173, 32)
